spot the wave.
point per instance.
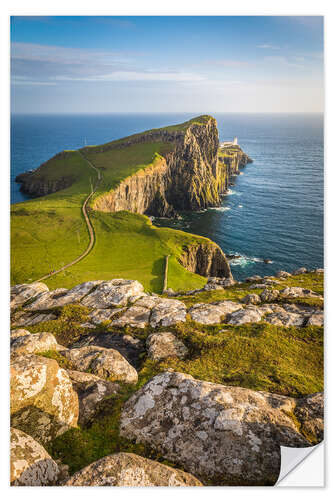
(244, 260)
(220, 209)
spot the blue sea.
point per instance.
(275, 208)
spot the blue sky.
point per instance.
(155, 64)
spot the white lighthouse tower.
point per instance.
(235, 141)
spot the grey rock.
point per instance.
(106, 363)
(168, 312)
(269, 295)
(310, 413)
(259, 286)
(31, 343)
(162, 345)
(282, 274)
(19, 294)
(18, 332)
(24, 318)
(136, 316)
(250, 314)
(91, 391)
(316, 319)
(209, 314)
(30, 464)
(116, 292)
(61, 296)
(129, 347)
(128, 469)
(296, 291)
(98, 316)
(301, 270)
(42, 400)
(252, 279)
(229, 434)
(285, 319)
(251, 298)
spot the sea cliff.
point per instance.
(192, 176)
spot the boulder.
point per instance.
(269, 295)
(31, 343)
(167, 312)
(162, 345)
(301, 270)
(230, 435)
(251, 298)
(250, 314)
(128, 469)
(42, 400)
(30, 464)
(284, 318)
(113, 293)
(309, 412)
(18, 332)
(282, 274)
(19, 294)
(259, 286)
(98, 316)
(129, 347)
(296, 291)
(206, 314)
(319, 270)
(61, 296)
(253, 279)
(135, 316)
(105, 363)
(24, 318)
(91, 391)
(316, 319)
(209, 314)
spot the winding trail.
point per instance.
(88, 223)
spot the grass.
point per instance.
(49, 232)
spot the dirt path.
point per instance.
(88, 223)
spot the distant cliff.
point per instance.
(190, 177)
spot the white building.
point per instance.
(226, 144)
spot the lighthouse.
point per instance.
(235, 141)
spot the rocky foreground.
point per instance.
(210, 433)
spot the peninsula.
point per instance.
(159, 172)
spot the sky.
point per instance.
(87, 64)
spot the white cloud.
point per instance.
(268, 46)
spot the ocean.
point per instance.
(273, 211)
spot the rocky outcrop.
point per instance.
(162, 345)
(230, 435)
(190, 177)
(206, 259)
(91, 391)
(42, 400)
(127, 469)
(39, 183)
(105, 363)
(30, 464)
(31, 343)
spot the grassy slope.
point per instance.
(49, 232)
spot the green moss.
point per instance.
(61, 360)
(66, 328)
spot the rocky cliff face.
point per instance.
(206, 260)
(39, 183)
(190, 177)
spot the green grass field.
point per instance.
(48, 232)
